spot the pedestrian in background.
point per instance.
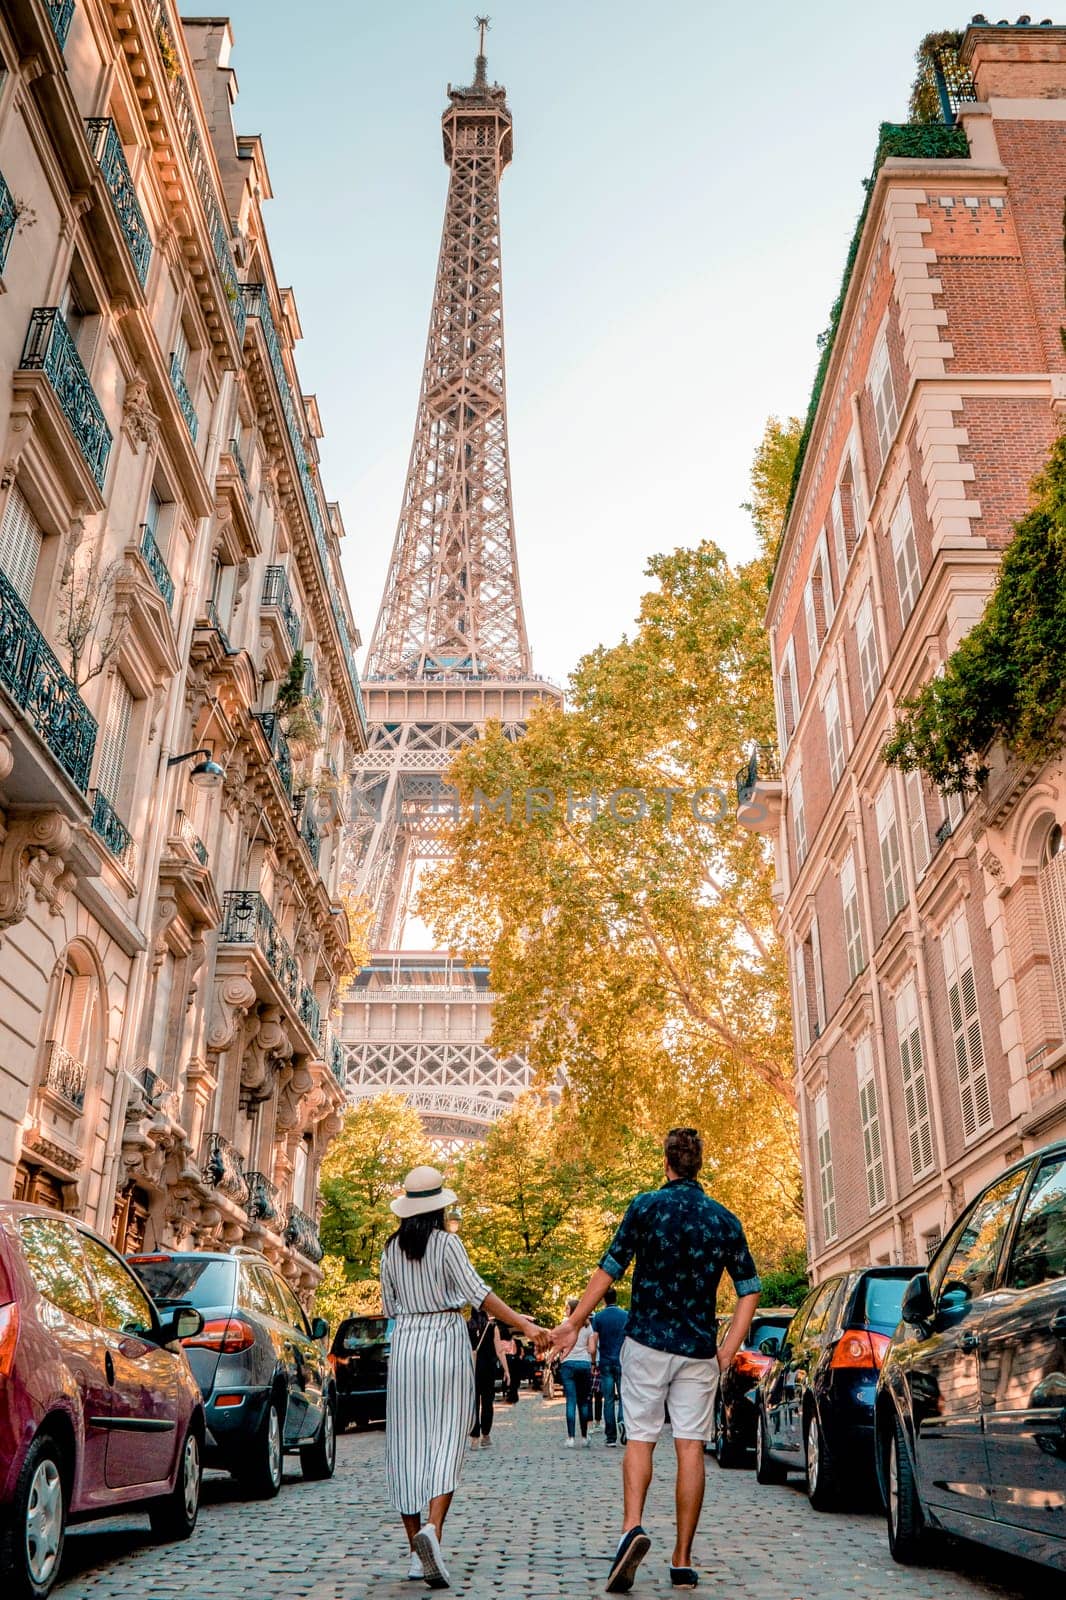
(487, 1348)
(610, 1329)
(426, 1280)
(510, 1355)
(576, 1373)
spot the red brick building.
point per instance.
(926, 938)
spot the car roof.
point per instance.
(184, 1255)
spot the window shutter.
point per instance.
(869, 671)
(840, 540)
(116, 733)
(1053, 896)
(888, 835)
(826, 1179)
(873, 1152)
(799, 820)
(834, 733)
(819, 982)
(855, 451)
(20, 543)
(915, 1086)
(884, 398)
(803, 1016)
(966, 1027)
(905, 555)
(916, 820)
(852, 923)
(813, 641)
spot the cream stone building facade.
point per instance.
(178, 697)
(926, 937)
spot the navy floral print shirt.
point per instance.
(682, 1241)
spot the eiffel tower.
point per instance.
(449, 653)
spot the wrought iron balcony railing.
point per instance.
(61, 13)
(279, 746)
(303, 811)
(310, 1012)
(762, 765)
(106, 146)
(109, 826)
(248, 919)
(301, 1232)
(262, 1199)
(224, 1169)
(50, 349)
(277, 593)
(37, 683)
(65, 1075)
(188, 835)
(181, 389)
(211, 612)
(157, 566)
(943, 833)
(8, 218)
(336, 1060)
(235, 452)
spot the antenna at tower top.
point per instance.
(483, 24)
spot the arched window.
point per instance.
(76, 1030)
(1052, 879)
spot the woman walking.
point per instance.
(426, 1279)
(488, 1353)
(576, 1373)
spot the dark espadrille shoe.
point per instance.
(631, 1551)
(684, 1577)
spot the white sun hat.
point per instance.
(423, 1191)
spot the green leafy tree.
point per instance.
(364, 1167)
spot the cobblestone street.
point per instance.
(532, 1519)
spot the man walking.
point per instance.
(610, 1327)
(682, 1242)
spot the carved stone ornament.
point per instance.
(992, 865)
(266, 1045)
(234, 998)
(32, 857)
(7, 757)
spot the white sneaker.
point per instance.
(414, 1571)
(570, 1444)
(427, 1546)
(587, 1442)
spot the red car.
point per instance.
(99, 1410)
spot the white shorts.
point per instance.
(655, 1379)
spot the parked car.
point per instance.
(733, 1438)
(100, 1411)
(816, 1403)
(971, 1404)
(359, 1357)
(261, 1365)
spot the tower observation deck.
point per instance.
(449, 653)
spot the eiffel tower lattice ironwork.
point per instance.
(448, 654)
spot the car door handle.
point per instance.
(109, 1367)
(1058, 1323)
(969, 1341)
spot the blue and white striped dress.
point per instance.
(430, 1401)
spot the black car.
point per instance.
(734, 1404)
(971, 1405)
(359, 1357)
(260, 1364)
(816, 1403)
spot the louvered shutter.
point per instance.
(852, 924)
(884, 398)
(855, 451)
(873, 1153)
(116, 733)
(916, 820)
(905, 556)
(812, 622)
(803, 1016)
(915, 1086)
(966, 1027)
(1053, 896)
(827, 1181)
(869, 671)
(799, 820)
(816, 968)
(840, 538)
(20, 543)
(834, 733)
(888, 835)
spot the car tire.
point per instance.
(767, 1470)
(821, 1490)
(261, 1476)
(174, 1517)
(34, 1530)
(725, 1451)
(907, 1536)
(319, 1459)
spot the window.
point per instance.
(916, 822)
(180, 353)
(813, 948)
(966, 1026)
(254, 1292)
(124, 1306)
(915, 1083)
(803, 1015)
(1039, 1253)
(799, 820)
(891, 861)
(75, 1031)
(849, 895)
(883, 395)
(1052, 880)
(810, 991)
(840, 535)
(954, 808)
(294, 1316)
(818, 599)
(789, 691)
(300, 1164)
(870, 1118)
(826, 1186)
(869, 667)
(20, 544)
(905, 556)
(968, 1263)
(53, 1256)
(113, 745)
(834, 733)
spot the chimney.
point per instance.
(1023, 60)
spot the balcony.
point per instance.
(263, 1203)
(279, 746)
(277, 596)
(61, 13)
(310, 1012)
(108, 826)
(224, 1169)
(107, 149)
(65, 1076)
(759, 790)
(38, 685)
(235, 452)
(8, 218)
(248, 919)
(303, 812)
(184, 830)
(301, 1232)
(180, 388)
(153, 560)
(50, 349)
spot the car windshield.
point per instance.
(360, 1331)
(203, 1280)
(766, 1330)
(882, 1298)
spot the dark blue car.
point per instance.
(816, 1403)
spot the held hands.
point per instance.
(540, 1336)
(563, 1338)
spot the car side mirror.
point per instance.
(917, 1305)
(769, 1347)
(179, 1322)
(319, 1328)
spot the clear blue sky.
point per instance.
(684, 187)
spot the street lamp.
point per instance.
(207, 774)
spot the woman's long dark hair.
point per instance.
(412, 1235)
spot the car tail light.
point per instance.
(228, 1401)
(139, 1261)
(859, 1348)
(751, 1364)
(227, 1336)
(9, 1334)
